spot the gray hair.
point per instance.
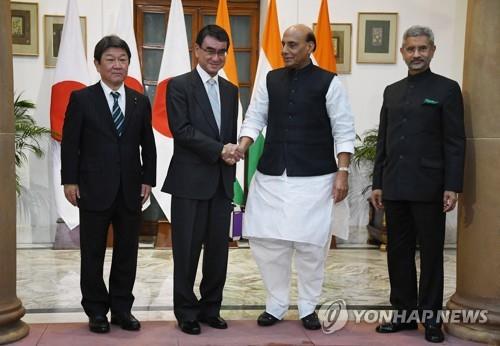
(418, 30)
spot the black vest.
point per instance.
(299, 135)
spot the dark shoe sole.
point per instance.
(99, 330)
(130, 328)
(387, 331)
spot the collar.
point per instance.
(108, 90)
(419, 76)
(306, 68)
(205, 76)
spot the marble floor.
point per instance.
(48, 283)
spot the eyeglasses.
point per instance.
(212, 52)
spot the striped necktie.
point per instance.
(118, 117)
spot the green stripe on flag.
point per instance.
(254, 154)
(238, 193)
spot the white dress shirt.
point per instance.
(337, 106)
(298, 209)
(205, 77)
(111, 100)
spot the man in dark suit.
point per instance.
(417, 175)
(108, 159)
(202, 115)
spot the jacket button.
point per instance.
(401, 157)
(402, 137)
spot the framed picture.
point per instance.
(24, 28)
(377, 37)
(53, 26)
(341, 37)
(341, 42)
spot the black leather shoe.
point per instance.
(126, 321)
(311, 321)
(434, 333)
(190, 327)
(213, 321)
(99, 324)
(266, 319)
(393, 327)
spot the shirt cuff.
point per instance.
(345, 147)
(247, 132)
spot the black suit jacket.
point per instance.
(196, 166)
(421, 139)
(97, 159)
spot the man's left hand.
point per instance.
(145, 192)
(340, 186)
(449, 201)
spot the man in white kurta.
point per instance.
(290, 201)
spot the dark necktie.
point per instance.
(118, 117)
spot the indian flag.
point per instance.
(324, 54)
(269, 59)
(231, 73)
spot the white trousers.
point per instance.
(274, 259)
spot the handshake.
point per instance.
(232, 153)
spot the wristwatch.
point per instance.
(344, 169)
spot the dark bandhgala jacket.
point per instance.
(299, 134)
(421, 139)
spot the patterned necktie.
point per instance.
(118, 117)
(214, 100)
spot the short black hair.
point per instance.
(110, 41)
(214, 31)
(310, 37)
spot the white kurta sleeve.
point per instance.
(341, 118)
(256, 115)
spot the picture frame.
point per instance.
(24, 28)
(341, 42)
(53, 25)
(342, 38)
(377, 38)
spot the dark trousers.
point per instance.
(93, 235)
(196, 223)
(408, 222)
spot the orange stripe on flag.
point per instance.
(133, 83)
(324, 54)
(271, 40)
(59, 102)
(160, 114)
(222, 20)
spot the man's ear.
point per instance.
(311, 46)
